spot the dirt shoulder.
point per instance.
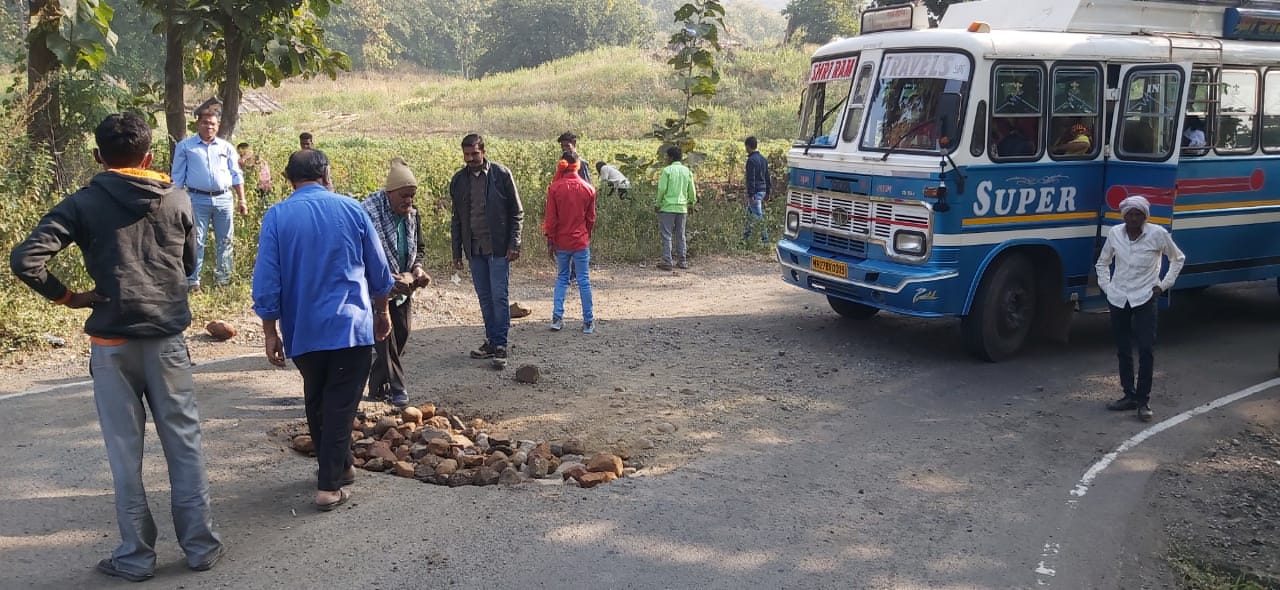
(1220, 511)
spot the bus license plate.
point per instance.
(829, 267)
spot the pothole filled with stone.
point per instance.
(435, 446)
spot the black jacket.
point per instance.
(502, 209)
(136, 236)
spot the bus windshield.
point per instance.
(905, 112)
(823, 101)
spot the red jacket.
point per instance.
(571, 210)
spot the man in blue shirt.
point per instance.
(322, 274)
(759, 185)
(208, 167)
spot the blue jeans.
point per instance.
(565, 261)
(489, 274)
(218, 210)
(755, 216)
(1129, 326)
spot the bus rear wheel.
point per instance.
(1003, 310)
(850, 309)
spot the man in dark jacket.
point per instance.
(486, 223)
(135, 231)
(759, 185)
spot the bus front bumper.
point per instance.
(919, 291)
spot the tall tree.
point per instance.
(255, 42)
(697, 75)
(819, 21)
(526, 33)
(64, 34)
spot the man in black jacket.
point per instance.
(486, 223)
(135, 231)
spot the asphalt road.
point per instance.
(913, 466)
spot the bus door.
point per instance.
(1145, 140)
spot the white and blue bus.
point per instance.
(972, 170)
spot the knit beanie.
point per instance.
(400, 176)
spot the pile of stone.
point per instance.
(435, 446)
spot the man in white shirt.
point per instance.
(1137, 248)
(611, 176)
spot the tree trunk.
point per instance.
(175, 116)
(42, 64)
(231, 86)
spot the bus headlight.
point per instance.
(910, 243)
(792, 227)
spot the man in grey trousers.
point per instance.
(135, 231)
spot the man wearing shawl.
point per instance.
(1136, 247)
(398, 225)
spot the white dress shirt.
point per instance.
(1137, 264)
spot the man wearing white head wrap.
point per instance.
(1138, 202)
(1137, 248)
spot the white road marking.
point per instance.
(1046, 569)
(89, 383)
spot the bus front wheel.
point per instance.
(1003, 310)
(851, 309)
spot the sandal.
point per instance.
(343, 496)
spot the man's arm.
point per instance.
(455, 224)
(29, 259)
(1176, 260)
(1103, 266)
(664, 182)
(516, 212)
(693, 191)
(178, 171)
(237, 179)
(591, 212)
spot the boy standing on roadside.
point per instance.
(675, 195)
(570, 218)
(136, 232)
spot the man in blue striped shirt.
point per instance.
(208, 167)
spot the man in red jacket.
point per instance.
(571, 215)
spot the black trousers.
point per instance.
(1129, 326)
(387, 376)
(332, 382)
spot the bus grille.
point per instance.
(856, 218)
(840, 245)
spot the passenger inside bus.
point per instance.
(1076, 140)
(1193, 132)
(1139, 137)
(1009, 140)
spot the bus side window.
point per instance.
(1074, 124)
(1271, 111)
(1148, 130)
(1237, 111)
(1195, 125)
(853, 119)
(1017, 112)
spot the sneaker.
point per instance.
(399, 399)
(664, 266)
(1123, 404)
(484, 352)
(557, 323)
(193, 289)
(1145, 414)
(208, 565)
(682, 264)
(588, 327)
(499, 357)
(108, 567)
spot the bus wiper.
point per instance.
(894, 148)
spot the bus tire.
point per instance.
(851, 309)
(1003, 310)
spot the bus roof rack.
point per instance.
(1202, 18)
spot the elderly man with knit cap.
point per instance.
(1137, 249)
(393, 215)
